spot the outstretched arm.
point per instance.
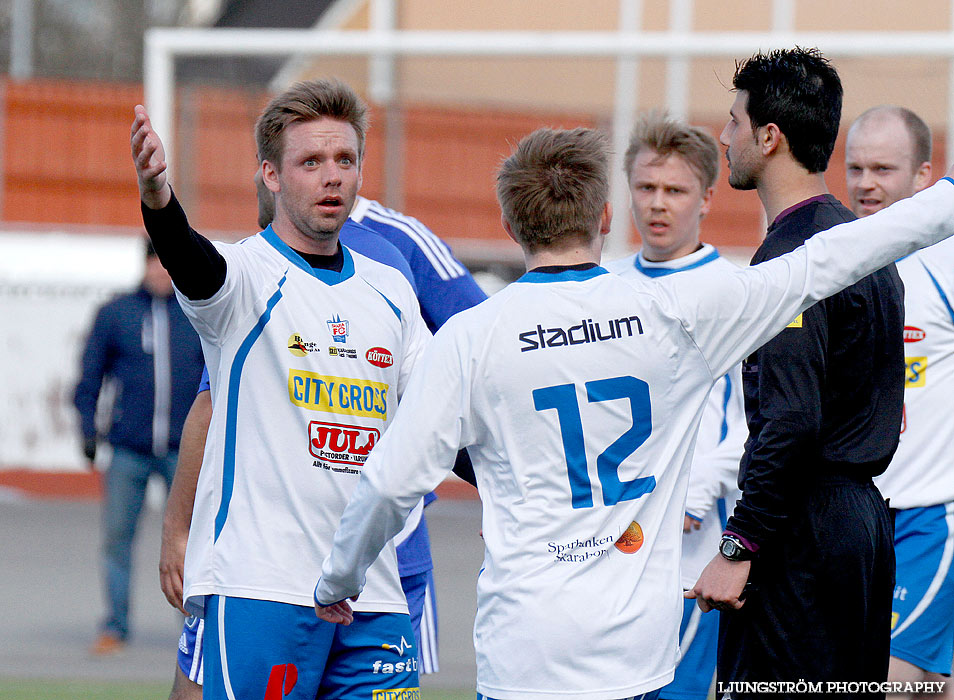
(196, 267)
(178, 515)
(730, 315)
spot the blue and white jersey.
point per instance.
(714, 476)
(578, 396)
(444, 285)
(922, 470)
(323, 356)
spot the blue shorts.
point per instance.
(276, 651)
(190, 648)
(421, 602)
(922, 614)
(698, 642)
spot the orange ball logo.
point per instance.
(631, 540)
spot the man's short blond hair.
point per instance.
(659, 132)
(307, 101)
(553, 188)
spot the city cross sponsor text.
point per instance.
(340, 395)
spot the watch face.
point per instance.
(729, 549)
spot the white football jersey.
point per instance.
(714, 476)
(306, 368)
(578, 396)
(922, 470)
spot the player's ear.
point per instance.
(922, 177)
(606, 218)
(706, 201)
(769, 138)
(270, 176)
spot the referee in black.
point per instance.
(805, 573)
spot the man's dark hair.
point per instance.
(799, 91)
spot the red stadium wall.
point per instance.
(64, 159)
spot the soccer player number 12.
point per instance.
(563, 398)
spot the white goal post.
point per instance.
(163, 46)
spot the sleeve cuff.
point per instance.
(748, 544)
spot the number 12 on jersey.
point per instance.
(562, 397)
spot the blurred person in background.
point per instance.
(143, 344)
(672, 168)
(887, 158)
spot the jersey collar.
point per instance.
(701, 257)
(567, 275)
(329, 277)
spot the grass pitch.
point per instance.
(14, 689)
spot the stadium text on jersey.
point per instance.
(586, 331)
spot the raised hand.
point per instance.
(150, 160)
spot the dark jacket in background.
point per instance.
(156, 373)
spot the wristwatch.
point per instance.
(731, 548)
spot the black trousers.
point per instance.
(819, 608)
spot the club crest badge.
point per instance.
(339, 329)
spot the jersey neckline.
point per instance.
(659, 269)
(329, 277)
(569, 275)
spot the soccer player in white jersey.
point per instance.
(292, 422)
(671, 168)
(579, 395)
(444, 286)
(887, 158)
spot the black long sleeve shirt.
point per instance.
(824, 396)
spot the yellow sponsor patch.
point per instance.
(340, 395)
(797, 323)
(396, 694)
(915, 372)
(894, 619)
